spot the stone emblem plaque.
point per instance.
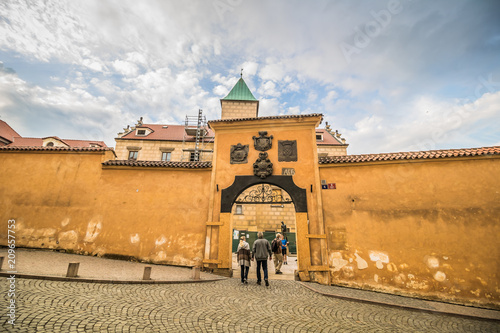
(287, 151)
(239, 154)
(263, 142)
(263, 166)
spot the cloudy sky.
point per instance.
(389, 75)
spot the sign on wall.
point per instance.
(328, 186)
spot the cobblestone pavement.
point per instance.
(223, 306)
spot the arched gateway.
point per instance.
(279, 151)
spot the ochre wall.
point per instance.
(428, 228)
(68, 200)
(306, 176)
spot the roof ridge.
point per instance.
(165, 164)
(289, 116)
(424, 154)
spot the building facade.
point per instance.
(423, 224)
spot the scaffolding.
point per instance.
(195, 127)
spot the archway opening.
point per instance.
(270, 209)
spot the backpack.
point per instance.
(274, 246)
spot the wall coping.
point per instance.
(464, 153)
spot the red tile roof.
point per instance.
(269, 117)
(7, 132)
(78, 143)
(26, 142)
(328, 139)
(170, 133)
(159, 164)
(413, 155)
(29, 142)
(41, 148)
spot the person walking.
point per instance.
(244, 259)
(261, 249)
(278, 256)
(284, 248)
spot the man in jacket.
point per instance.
(261, 249)
(278, 254)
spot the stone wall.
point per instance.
(151, 150)
(264, 217)
(324, 151)
(239, 109)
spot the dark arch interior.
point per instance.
(229, 195)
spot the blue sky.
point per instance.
(389, 75)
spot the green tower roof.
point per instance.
(240, 92)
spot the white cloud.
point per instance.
(428, 124)
(64, 112)
(125, 68)
(269, 89)
(272, 71)
(249, 68)
(177, 57)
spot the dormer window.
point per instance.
(143, 131)
(319, 136)
(50, 144)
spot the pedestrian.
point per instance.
(261, 249)
(278, 256)
(244, 256)
(284, 249)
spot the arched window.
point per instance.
(50, 144)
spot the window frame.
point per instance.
(168, 156)
(133, 155)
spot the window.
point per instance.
(50, 144)
(194, 157)
(132, 155)
(319, 137)
(239, 210)
(141, 132)
(165, 156)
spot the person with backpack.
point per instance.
(278, 256)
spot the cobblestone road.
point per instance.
(224, 306)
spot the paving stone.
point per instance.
(223, 306)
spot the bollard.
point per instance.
(196, 273)
(73, 269)
(1, 263)
(147, 273)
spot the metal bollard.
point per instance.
(1, 263)
(147, 273)
(73, 269)
(195, 273)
